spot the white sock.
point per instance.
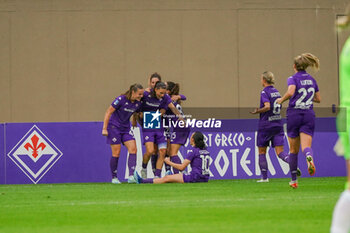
(341, 214)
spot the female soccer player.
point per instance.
(154, 78)
(116, 126)
(198, 157)
(176, 136)
(155, 101)
(270, 127)
(341, 213)
(302, 92)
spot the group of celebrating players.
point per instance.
(164, 98)
(162, 145)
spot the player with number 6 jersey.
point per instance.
(270, 129)
(198, 157)
(302, 93)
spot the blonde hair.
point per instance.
(305, 60)
(268, 77)
(344, 21)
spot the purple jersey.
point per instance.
(271, 118)
(152, 104)
(124, 108)
(169, 113)
(306, 87)
(200, 161)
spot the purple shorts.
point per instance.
(156, 136)
(275, 135)
(195, 178)
(167, 133)
(300, 122)
(116, 137)
(179, 137)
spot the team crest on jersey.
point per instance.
(151, 120)
(35, 154)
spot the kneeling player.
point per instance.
(199, 159)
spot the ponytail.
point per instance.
(198, 138)
(174, 88)
(305, 60)
(132, 88)
(268, 77)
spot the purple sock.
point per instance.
(293, 165)
(308, 151)
(154, 159)
(132, 164)
(113, 163)
(147, 181)
(175, 159)
(263, 165)
(284, 156)
(158, 172)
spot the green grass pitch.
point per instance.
(217, 206)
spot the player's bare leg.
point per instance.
(146, 156)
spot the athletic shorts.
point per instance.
(179, 137)
(300, 122)
(167, 133)
(156, 136)
(116, 137)
(274, 135)
(195, 178)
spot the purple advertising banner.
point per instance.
(78, 153)
(2, 153)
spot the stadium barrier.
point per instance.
(78, 153)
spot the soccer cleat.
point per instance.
(263, 180)
(156, 177)
(131, 180)
(293, 184)
(168, 173)
(144, 173)
(137, 178)
(298, 172)
(310, 165)
(116, 181)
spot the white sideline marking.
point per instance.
(225, 202)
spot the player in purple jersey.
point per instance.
(116, 126)
(155, 101)
(270, 129)
(154, 78)
(302, 93)
(198, 157)
(176, 136)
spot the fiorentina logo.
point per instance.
(35, 154)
